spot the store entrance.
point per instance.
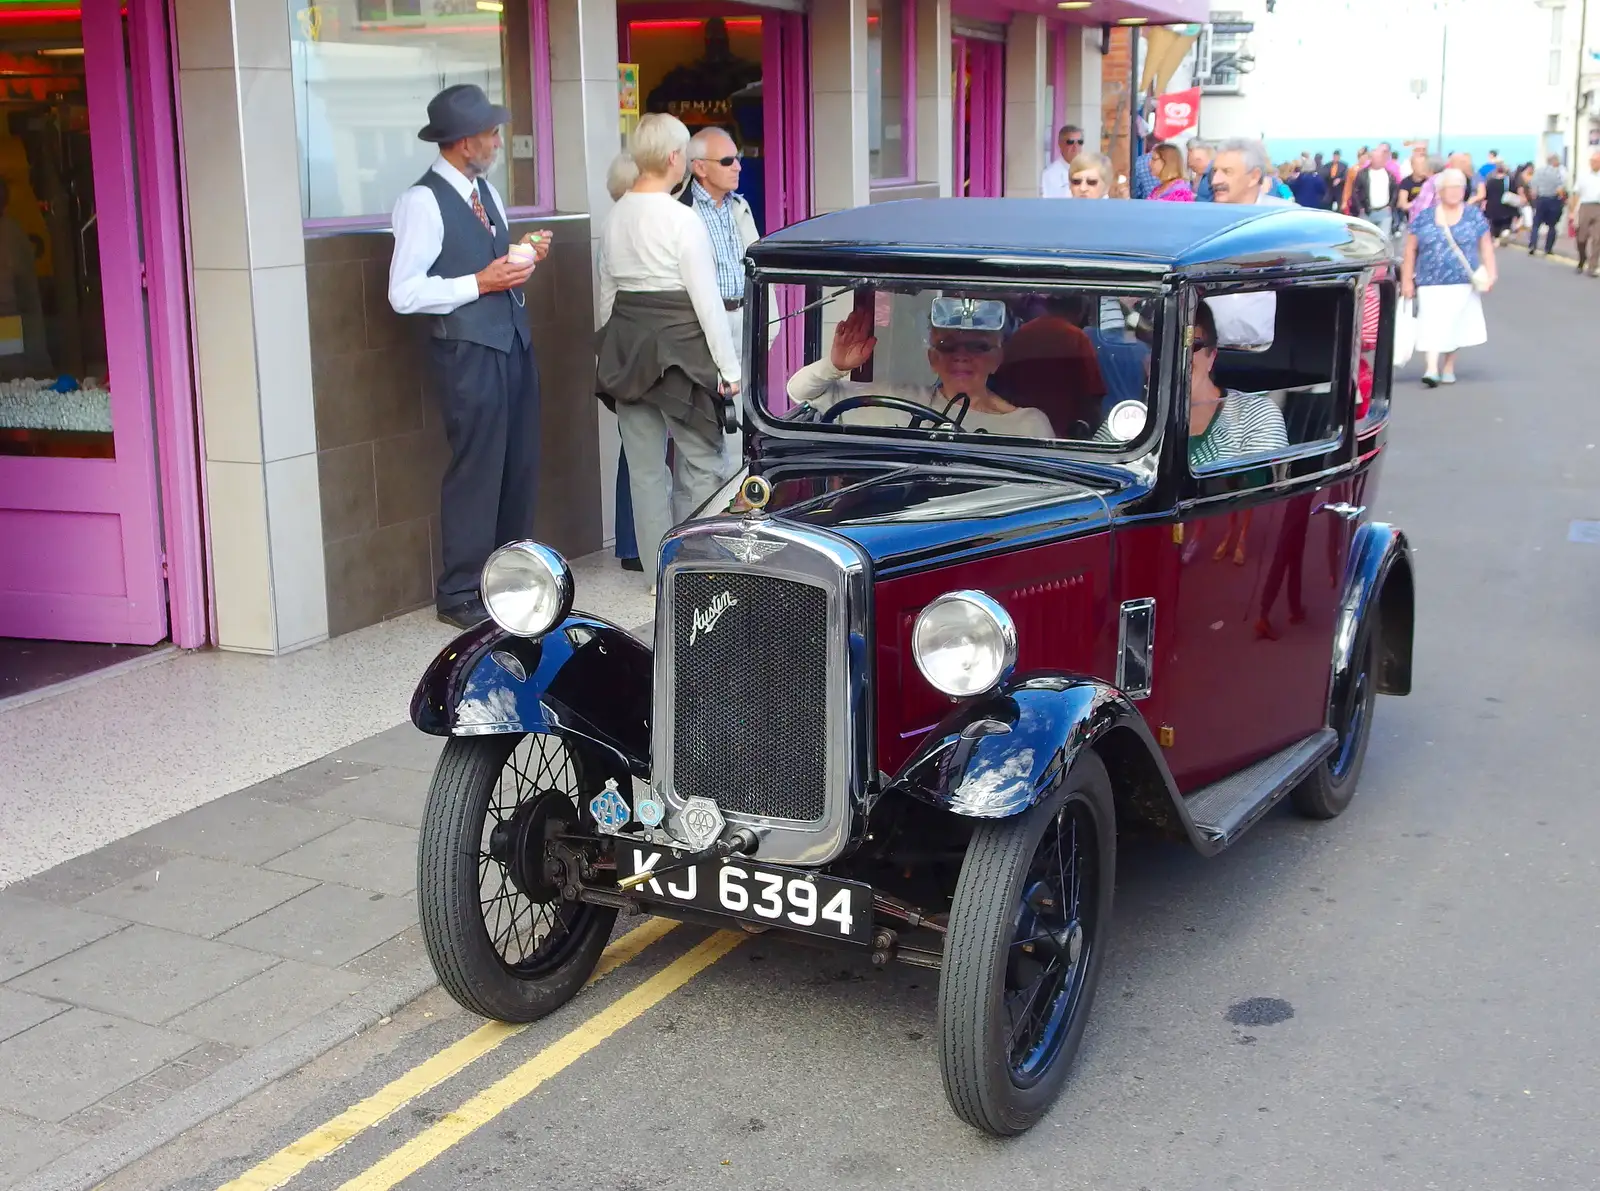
(978, 88)
(79, 546)
(742, 68)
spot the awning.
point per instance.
(1098, 12)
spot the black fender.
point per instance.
(1378, 593)
(996, 756)
(587, 679)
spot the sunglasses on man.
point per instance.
(722, 161)
(1072, 140)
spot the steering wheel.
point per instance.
(915, 410)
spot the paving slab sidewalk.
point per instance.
(149, 984)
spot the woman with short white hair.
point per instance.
(1090, 175)
(1449, 262)
(666, 360)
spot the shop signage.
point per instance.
(1177, 112)
(627, 96)
(1233, 27)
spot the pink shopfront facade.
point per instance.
(101, 530)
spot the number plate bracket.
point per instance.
(751, 890)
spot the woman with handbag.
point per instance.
(1449, 263)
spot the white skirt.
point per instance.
(1449, 317)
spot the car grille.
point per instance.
(750, 693)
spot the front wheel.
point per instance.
(503, 940)
(1026, 942)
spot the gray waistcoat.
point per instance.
(495, 320)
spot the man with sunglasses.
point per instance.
(713, 195)
(1057, 180)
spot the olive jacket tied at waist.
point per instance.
(653, 349)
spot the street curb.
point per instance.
(99, 1159)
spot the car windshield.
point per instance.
(1045, 365)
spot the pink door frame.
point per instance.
(82, 551)
(163, 190)
(979, 115)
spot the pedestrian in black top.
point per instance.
(454, 262)
(1334, 175)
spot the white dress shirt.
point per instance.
(653, 244)
(418, 238)
(1589, 189)
(1056, 181)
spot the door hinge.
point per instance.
(1188, 335)
(144, 276)
(165, 573)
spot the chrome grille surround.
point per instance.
(841, 570)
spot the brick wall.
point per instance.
(1115, 69)
(381, 450)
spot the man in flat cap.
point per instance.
(454, 262)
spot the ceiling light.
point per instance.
(490, 6)
(1075, 4)
(71, 51)
(1132, 20)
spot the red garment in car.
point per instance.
(1050, 365)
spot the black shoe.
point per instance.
(468, 614)
(631, 564)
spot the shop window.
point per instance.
(891, 89)
(363, 75)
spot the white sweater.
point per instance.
(652, 243)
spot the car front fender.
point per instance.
(586, 678)
(997, 756)
(1378, 584)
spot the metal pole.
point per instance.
(1444, 54)
(1577, 102)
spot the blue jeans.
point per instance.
(627, 544)
(1545, 211)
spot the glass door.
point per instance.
(80, 558)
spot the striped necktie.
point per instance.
(477, 209)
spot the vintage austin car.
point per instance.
(1054, 528)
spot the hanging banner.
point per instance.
(1177, 113)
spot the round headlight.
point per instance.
(527, 588)
(965, 643)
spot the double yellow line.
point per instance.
(495, 1099)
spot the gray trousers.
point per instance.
(733, 440)
(490, 403)
(662, 498)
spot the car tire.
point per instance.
(996, 907)
(1329, 788)
(482, 837)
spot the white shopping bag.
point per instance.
(1405, 331)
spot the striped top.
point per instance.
(1245, 424)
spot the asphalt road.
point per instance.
(1402, 998)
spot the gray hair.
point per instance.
(1203, 145)
(700, 142)
(655, 140)
(1253, 152)
(621, 174)
(1449, 177)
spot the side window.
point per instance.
(1375, 351)
(1274, 382)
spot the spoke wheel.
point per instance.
(503, 940)
(1328, 789)
(1023, 955)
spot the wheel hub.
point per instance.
(518, 843)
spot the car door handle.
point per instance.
(1348, 511)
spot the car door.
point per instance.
(1252, 566)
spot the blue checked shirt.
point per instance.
(1144, 179)
(725, 246)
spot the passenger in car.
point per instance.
(1225, 424)
(963, 358)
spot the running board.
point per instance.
(1224, 810)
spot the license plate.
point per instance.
(796, 899)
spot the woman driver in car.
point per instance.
(964, 350)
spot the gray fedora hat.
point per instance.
(461, 111)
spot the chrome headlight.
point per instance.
(964, 643)
(527, 588)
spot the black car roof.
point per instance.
(1141, 237)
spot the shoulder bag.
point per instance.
(1479, 277)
